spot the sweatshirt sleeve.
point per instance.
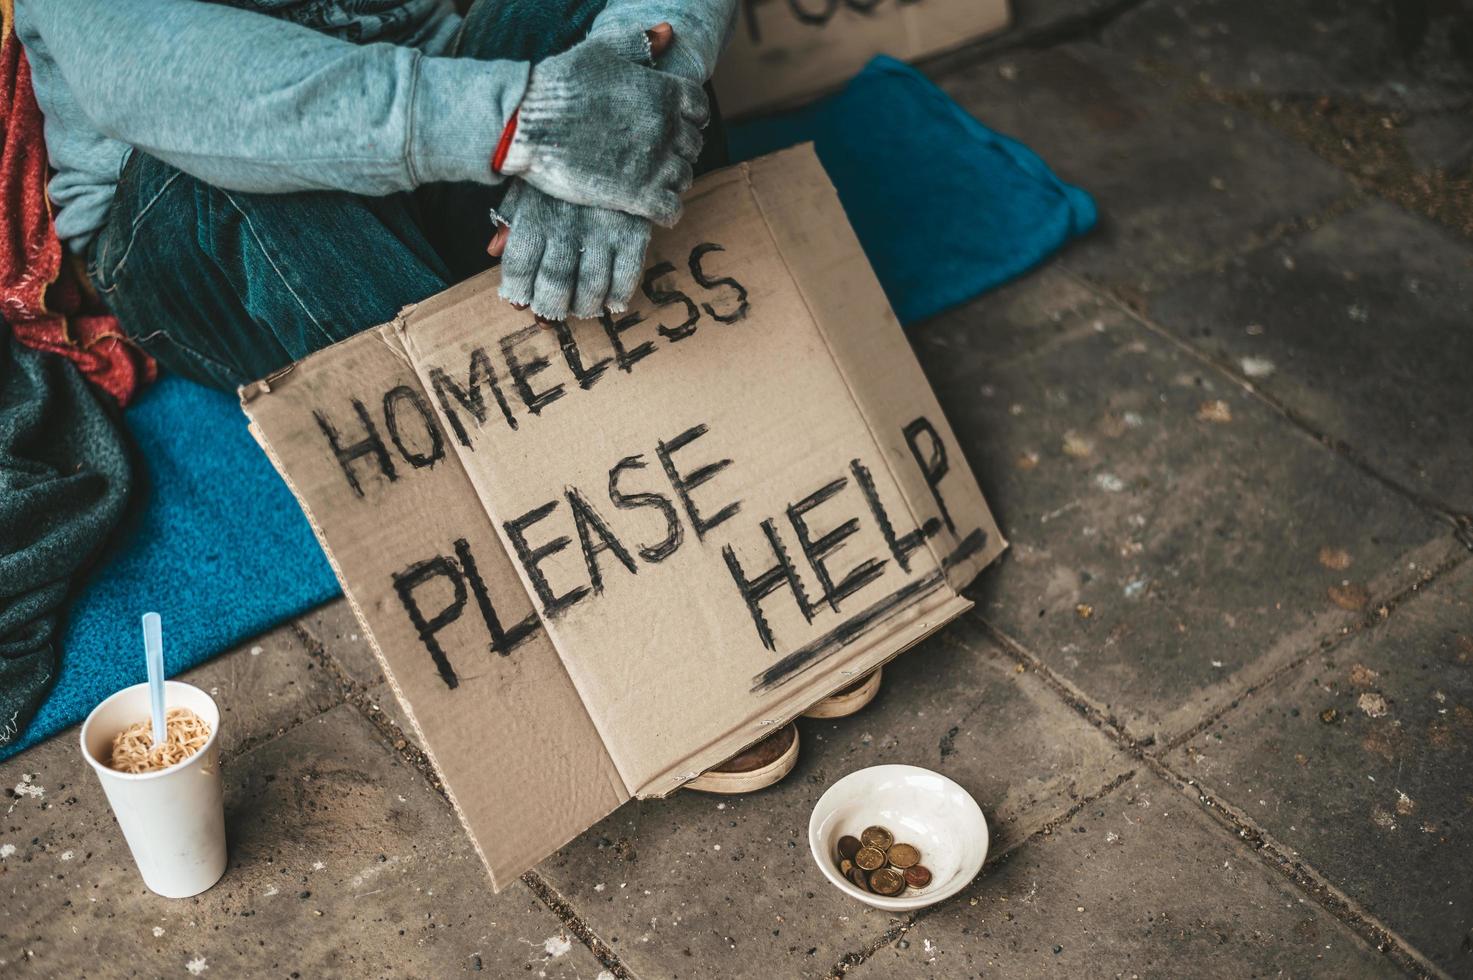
(251, 103)
(702, 29)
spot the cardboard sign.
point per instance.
(786, 51)
(599, 558)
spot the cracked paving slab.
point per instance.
(1167, 527)
(1179, 182)
(1398, 53)
(1359, 327)
(1360, 764)
(1046, 309)
(335, 627)
(703, 886)
(263, 687)
(342, 862)
(1140, 883)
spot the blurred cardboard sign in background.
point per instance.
(783, 52)
(599, 558)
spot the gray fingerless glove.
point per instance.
(702, 28)
(596, 127)
(564, 258)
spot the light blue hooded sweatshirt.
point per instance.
(348, 95)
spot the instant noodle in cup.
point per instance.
(173, 818)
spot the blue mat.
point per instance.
(214, 542)
(944, 207)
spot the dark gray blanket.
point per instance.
(64, 479)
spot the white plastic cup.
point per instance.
(172, 819)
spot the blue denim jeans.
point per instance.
(224, 287)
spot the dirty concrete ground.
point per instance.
(1217, 701)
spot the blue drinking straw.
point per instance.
(153, 648)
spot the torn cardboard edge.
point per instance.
(785, 52)
(817, 514)
(262, 386)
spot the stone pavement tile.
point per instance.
(381, 703)
(1361, 328)
(1179, 182)
(342, 863)
(1167, 527)
(1374, 795)
(263, 687)
(1439, 141)
(699, 886)
(1309, 47)
(1030, 17)
(1139, 884)
(1043, 309)
(337, 629)
(1034, 22)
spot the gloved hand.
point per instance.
(598, 126)
(565, 259)
(704, 27)
(561, 258)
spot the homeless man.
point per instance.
(253, 180)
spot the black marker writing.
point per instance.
(412, 578)
(901, 546)
(394, 400)
(615, 329)
(756, 588)
(814, 13)
(590, 525)
(470, 397)
(675, 531)
(522, 371)
(818, 552)
(733, 315)
(933, 464)
(684, 484)
(662, 296)
(585, 376)
(532, 558)
(459, 571)
(370, 445)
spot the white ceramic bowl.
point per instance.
(919, 807)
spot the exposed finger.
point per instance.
(661, 37)
(523, 307)
(497, 245)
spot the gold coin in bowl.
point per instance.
(887, 881)
(904, 856)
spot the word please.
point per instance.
(542, 533)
